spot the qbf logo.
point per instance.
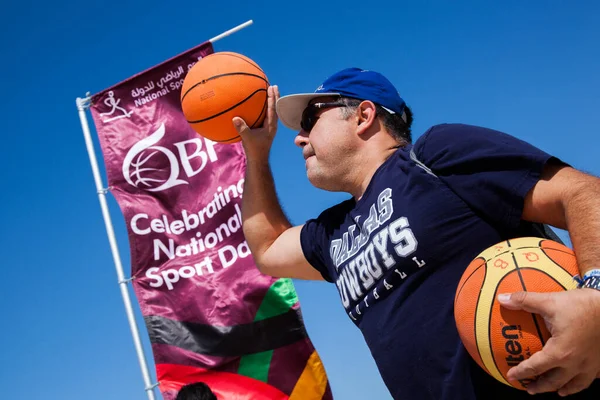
(156, 168)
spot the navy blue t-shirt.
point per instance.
(397, 254)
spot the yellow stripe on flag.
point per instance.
(313, 381)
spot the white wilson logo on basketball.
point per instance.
(155, 168)
(497, 338)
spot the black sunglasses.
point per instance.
(310, 117)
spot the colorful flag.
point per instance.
(211, 316)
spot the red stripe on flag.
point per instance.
(225, 385)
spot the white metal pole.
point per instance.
(82, 105)
(232, 30)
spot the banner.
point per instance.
(211, 316)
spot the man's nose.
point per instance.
(301, 139)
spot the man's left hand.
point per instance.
(570, 360)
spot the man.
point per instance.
(417, 217)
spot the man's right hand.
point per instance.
(257, 142)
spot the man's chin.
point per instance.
(320, 182)
(314, 178)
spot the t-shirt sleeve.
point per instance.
(491, 171)
(314, 241)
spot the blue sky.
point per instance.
(529, 68)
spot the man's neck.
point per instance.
(366, 169)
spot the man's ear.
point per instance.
(366, 114)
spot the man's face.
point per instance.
(327, 143)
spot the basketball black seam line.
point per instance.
(499, 254)
(475, 322)
(225, 53)
(469, 277)
(543, 250)
(220, 76)
(549, 276)
(229, 109)
(495, 294)
(203, 81)
(554, 262)
(535, 322)
(260, 115)
(490, 321)
(476, 305)
(533, 247)
(537, 247)
(492, 308)
(243, 59)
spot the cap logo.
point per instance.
(319, 88)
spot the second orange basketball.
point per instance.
(219, 87)
(498, 338)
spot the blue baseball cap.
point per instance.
(355, 83)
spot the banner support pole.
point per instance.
(232, 30)
(82, 105)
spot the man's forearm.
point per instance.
(262, 216)
(582, 215)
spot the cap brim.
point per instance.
(289, 108)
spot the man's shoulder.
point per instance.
(452, 131)
(458, 138)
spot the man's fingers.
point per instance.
(271, 119)
(551, 381)
(240, 125)
(575, 385)
(269, 125)
(536, 365)
(537, 303)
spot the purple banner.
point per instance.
(199, 291)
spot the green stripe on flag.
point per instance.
(256, 365)
(280, 297)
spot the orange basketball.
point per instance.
(219, 87)
(498, 338)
